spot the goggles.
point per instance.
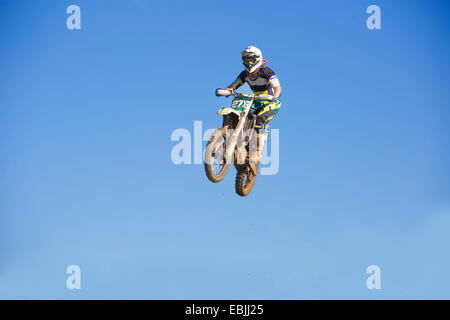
(249, 61)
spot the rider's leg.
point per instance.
(263, 116)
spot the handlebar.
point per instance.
(227, 93)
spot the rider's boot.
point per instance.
(255, 157)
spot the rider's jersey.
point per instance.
(263, 83)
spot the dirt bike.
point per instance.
(234, 142)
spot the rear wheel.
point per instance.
(245, 179)
(216, 167)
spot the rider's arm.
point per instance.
(277, 91)
(275, 84)
(240, 80)
(272, 78)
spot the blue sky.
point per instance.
(86, 176)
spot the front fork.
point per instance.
(238, 139)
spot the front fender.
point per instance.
(225, 111)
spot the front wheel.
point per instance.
(245, 179)
(216, 167)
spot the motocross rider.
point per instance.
(262, 80)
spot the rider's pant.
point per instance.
(264, 111)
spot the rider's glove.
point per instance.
(267, 97)
(223, 92)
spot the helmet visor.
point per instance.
(249, 61)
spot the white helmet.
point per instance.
(252, 58)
